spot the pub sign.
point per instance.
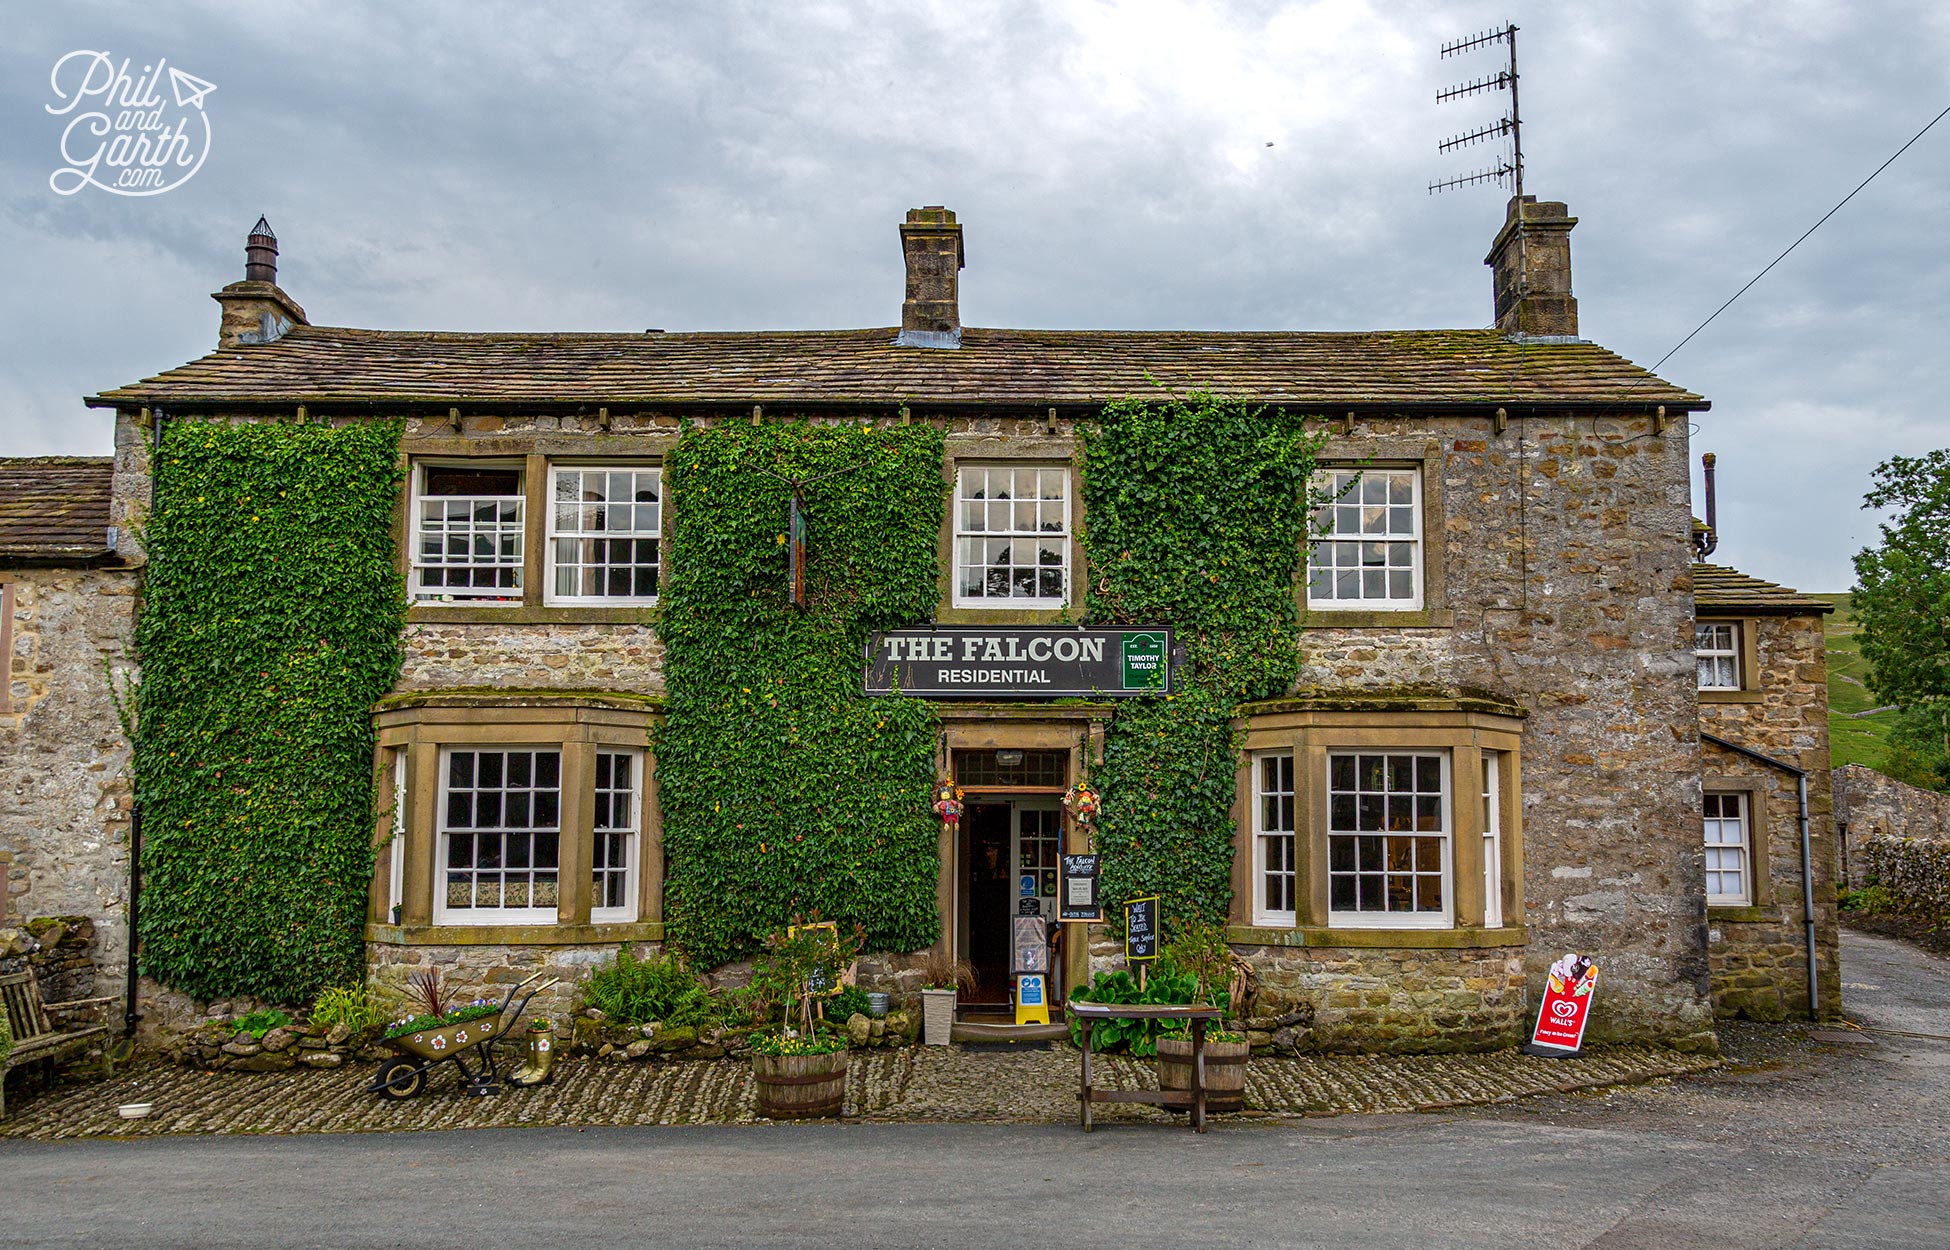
(1021, 662)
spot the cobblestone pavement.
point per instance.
(925, 1084)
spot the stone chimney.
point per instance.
(1531, 261)
(257, 310)
(931, 244)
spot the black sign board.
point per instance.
(1029, 907)
(1078, 897)
(1020, 662)
(1141, 930)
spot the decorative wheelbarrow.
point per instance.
(421, 1051)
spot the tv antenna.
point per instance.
(1509, 170)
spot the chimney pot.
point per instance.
(1530, 263)
(931, 244)
(261, 254)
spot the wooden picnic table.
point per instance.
(1195, 1014)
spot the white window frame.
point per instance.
(1742, 849)
(627, 913)
(1335, 510)
(1264, 836)
(550, 596)
(1443, 919)
(445, 915)
(396, 853)
(445, 596)
(1730, 652)
(960, 535)
(1493, 839)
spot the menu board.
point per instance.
(1077, 895)
(1141, 930)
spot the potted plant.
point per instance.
(943, 980)
(1201, 953)
(799, 1072)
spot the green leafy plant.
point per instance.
(1195, 512)
(848, 1003)
(810, 1044)
(454, 1015)
(1140, 1037)
(631, 990)
(349, 1005)
(258, 1023)
(1870, 899)
(762, 698)
(6, 1034)
(271, 620)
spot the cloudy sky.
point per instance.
(1117, 165)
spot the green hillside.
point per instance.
(1852, 739)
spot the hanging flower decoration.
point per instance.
(947, 803)
(1083, 803)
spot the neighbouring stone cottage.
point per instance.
(67, 599)
(1491, 752)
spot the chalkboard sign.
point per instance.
(1077, 899)
(1029, 907)
(1141, 930)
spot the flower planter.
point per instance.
(1225, 1072)
(938, 1015)
(800, 1087)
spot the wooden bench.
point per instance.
(36, 1039)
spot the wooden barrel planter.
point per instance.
(800, 1087)
(1225, 1072)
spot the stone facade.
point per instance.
(444, 656)
(64, 758)
(1759, 951)
(1870, 805)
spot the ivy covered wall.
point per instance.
(271, 620)
(1196, 509)
(785, 791)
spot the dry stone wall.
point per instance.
(1870, 805)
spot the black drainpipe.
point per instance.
(1807, 857)
(130, 1016)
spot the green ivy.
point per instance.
(271, 621)
(784, 790)
(1196, 509)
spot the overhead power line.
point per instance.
(1797, 243)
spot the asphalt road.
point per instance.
(1802, 1143)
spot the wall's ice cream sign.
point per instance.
(1017, 662)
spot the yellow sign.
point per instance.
(1032, 999)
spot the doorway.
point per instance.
(1009, 884)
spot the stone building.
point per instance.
(67, 600)
(1498, 634)
(1771, 854)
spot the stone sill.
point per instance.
(948, 615)
(1381, 939)
(514, 934)
(1744, 915)
(1730, 696)
(1331, 618)
(526, 614)
(492, 696)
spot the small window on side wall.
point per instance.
(1728, 851)
(1367, 550)
(1716, 646)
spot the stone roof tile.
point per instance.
(1403, 369)
(54, 509)
(1720, 589)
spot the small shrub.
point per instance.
(1870, 900)
(258, 1023)
(349, 1005)
(6, 1035)
(848, 1003)
(630, 990)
